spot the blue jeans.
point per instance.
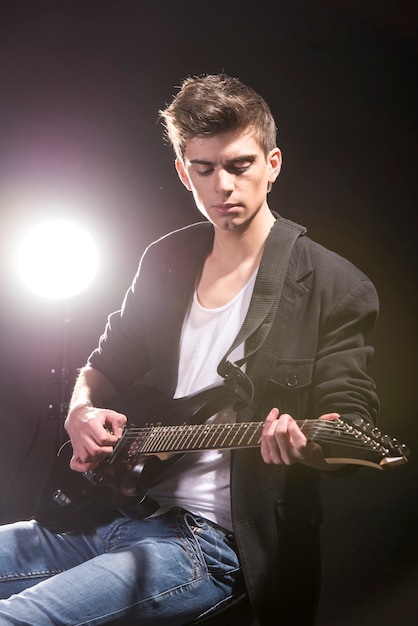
(163, 570)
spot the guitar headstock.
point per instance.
(358, 442)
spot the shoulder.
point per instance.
(309, 256)
(177, 254)
(183, 243)
(312, 256)
(328, 276)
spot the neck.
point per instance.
(246, 244)
(235, 256)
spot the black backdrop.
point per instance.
(80, 87)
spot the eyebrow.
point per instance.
(244, 157)
(199, 162)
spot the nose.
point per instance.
(224, 181)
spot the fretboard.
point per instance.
(194, 437)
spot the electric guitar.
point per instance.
(68, 498)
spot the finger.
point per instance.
(116, 423)
(87, 456)
(271, 417)
(270, 450)
(78, 465)
(290, 441)
(295, 449)
(285, 430)
(296, 436)
(330, 416)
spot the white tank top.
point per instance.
(200, 481)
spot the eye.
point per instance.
(204, 172)
(239, 167)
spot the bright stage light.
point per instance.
(57, 259)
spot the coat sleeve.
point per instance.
(316, 357)
(122, 353)
(340, 379)
(143, 336)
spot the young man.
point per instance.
(227, 520)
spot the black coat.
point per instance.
(313, 362)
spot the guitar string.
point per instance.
(184, 434)
(204, 431)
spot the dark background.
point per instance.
(80, 87)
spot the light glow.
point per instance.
(57, 259)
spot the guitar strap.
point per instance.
(266, 295)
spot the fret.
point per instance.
(192, 441)
(189, 437)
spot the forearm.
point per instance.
(92, 388)
(93, 429)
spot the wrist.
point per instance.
(76, 413)
(80, 405)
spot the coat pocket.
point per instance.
(289, 387)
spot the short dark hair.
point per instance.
(216, 103)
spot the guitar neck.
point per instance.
(342, 442)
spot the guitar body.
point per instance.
(71, 500)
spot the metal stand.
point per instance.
(61, 379)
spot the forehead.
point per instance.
(223, 147)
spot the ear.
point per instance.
(274, 160)
(181, 171)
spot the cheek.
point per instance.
(199, 198)
(257, 187)
(198, 190)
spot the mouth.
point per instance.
(226, 208)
